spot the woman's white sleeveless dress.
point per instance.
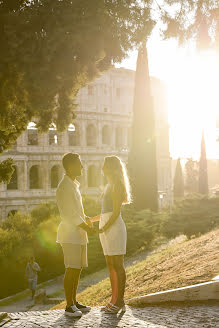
(114, 239)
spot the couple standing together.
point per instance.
(74, 226)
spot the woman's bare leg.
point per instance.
(118, 264)
(113, 279)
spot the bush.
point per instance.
(142, 228)
(192, 216)
(47, 251)
(16, 236)
(91, 206)
(43, 212)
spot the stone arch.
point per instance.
(32, 134)
(92, 176)
(106, 135)
(74, 136)
(54, 138)
(119, 137)
(55, 176)
(34, 177)
(91, 135)
(13, 184)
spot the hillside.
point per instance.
(187, 263)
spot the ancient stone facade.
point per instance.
(102, 127)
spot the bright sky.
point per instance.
(192, 82)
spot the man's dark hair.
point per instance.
(69, 158)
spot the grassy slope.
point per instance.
(188, 263)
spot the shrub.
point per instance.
(16, 236)
(91, 206)
(142, 227)
(47, 251)
(194, 215)
(43, 212)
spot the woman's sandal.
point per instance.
(115, 309)
(107, 306)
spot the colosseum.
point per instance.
(102, 127)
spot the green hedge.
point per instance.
(192, 216)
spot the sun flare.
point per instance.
(193, 104)
(192, 81)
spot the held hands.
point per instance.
(92, 229)
(89, 222)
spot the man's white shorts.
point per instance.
(75, 256)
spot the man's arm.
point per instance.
(87, 228)
(36, 267)
(88, 220)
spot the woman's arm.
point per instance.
(117, 204)
(95, 219)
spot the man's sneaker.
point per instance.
(73, 311)
(83, 308)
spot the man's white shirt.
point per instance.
(71, 211)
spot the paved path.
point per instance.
(198, 316)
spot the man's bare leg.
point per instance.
(77, 273)
(69, 285)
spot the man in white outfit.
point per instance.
(72, 231)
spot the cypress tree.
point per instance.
(142, 157)
(203, 173)
(178, 184)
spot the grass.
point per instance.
(179, 265)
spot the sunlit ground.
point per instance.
(192, 81)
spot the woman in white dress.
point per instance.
(113, 235)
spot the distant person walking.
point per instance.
(31, 274)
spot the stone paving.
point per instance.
(196, 316)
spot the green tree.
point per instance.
(191, 169)
(192, 20)
(142, 157)
(51, 48)
(178, 183)
(203, 169)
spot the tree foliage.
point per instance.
(6, 170)
(203, 169)
(142, 161)
(178, 183)
(52, 48)
(191, 170)
(192, 20)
